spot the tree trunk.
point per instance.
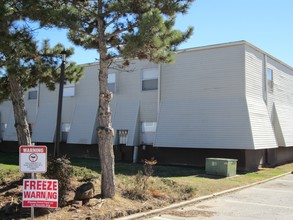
(17, 98)
(105, 130)
(105, 135)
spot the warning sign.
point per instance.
(41, 193)
(33, 159)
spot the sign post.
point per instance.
(41, 193)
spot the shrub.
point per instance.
(60, 169)
(148, 167)
(140, 189)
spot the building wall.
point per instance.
(130, 105)
(79, 111)
(271, 116)
(261, 126)
(210, 98)
(84, 112)
(8, 131)
(45, 124)
(203, 103)
(281, 102)
(31, 106)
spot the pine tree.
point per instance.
(23, 64)
(127, 29)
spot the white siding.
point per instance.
(282, 99)
(203, 73)
(31, 106)
(206, 123)
(83, 125)
(5, 111)
(10, 133)
(125, 117)
(261, 125)
(203, 101)
(79, 110)
(45, 125)
(83, 121)
(131, 105)
(211, 97)
(277, 128)
(7, 117)
(284, 114)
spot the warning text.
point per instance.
(40, 193)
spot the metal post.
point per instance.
(59, 111)
(32, 208)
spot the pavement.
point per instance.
(267, 200)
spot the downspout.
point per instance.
(0, 129)
(38, 98)
(158, 99)
(159, 92)
(265, 93)
(37, 105)
(265, 97)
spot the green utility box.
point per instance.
(221, 166)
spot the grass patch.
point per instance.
(85, 174)
(9, 168)
(136, 192)
(9, 158)
(130, 169)
(9, 173)
(206, 184)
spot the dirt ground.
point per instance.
(94, 208)
(130, 198)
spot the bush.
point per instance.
(60, 169)
(140, 189)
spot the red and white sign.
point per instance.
(41, 193)
(33, 159)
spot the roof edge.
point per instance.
(235, 43)
(214, 46)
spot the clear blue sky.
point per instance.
(266, 24)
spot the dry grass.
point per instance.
(206, 184)
(167, 185)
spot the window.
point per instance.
(148, 131)
(65, 128)
(269, 80)
(149, 126)
(112, 82)
(150, 79)
(69, 90)
(33, 94)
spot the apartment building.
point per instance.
(227, 100)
